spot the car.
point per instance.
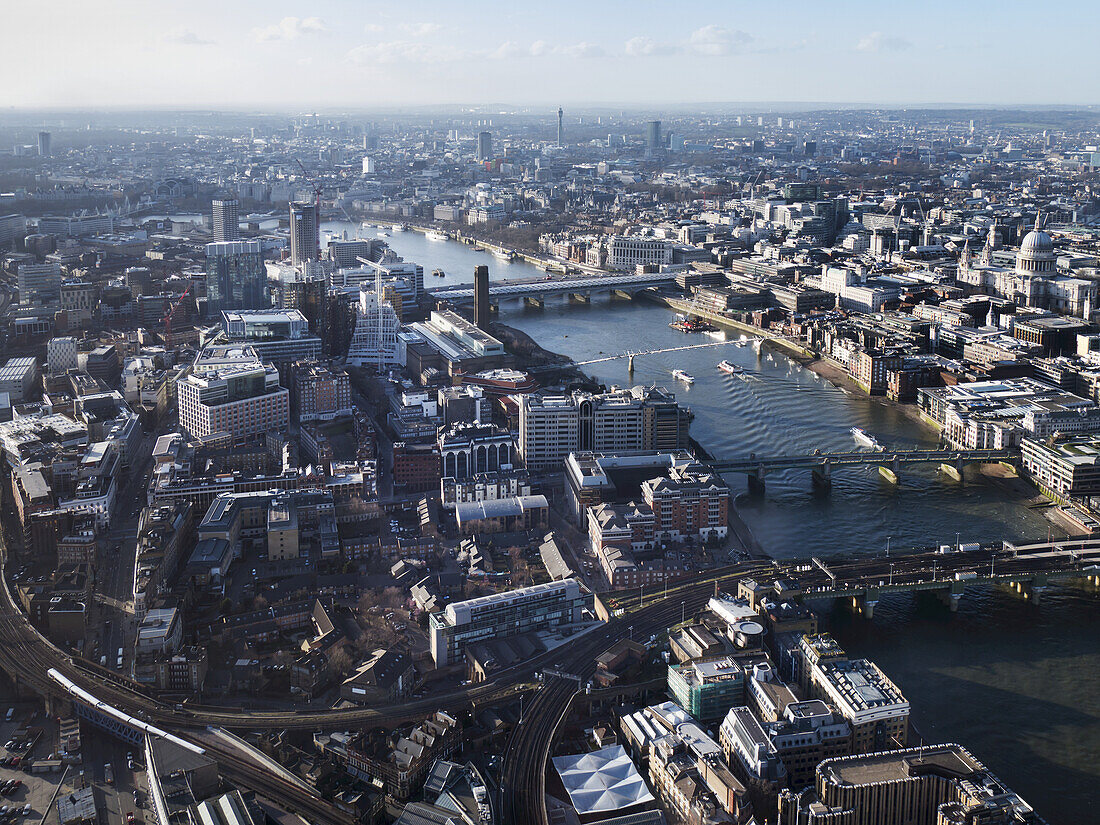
(9, 744)
(26, 809)
(129, 816)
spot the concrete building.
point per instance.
(1000, 414)
(548, 431)
(279, 336)
(930, 785)
(226, 219)
(1066, 468)
(18, 378)
(539, 607)
(38, 283)
(61, 355)
(873, 706)
(230, 391)
(305, 237)
(621, 421)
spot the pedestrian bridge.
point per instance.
(536, 291)
(889, 463)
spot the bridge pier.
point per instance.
(630, 363)
(622, 295)
(756, 481)
(581, 297)
(1028, 591)
(864, 605)
(950, 599)
(822, 477)
(953, 471)
(494, 307)
(537, 301)
(891, 473)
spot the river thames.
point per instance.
(1014, 683)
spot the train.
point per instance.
(109, 710)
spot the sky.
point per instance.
(364, 54)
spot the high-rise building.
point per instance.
(561, 130)
(484, 145)
(653, 137)
(481, 296)
(305, 237)
(229, 390)
(235, 276)
(226, 219)
(44, 144)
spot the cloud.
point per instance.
(540, 48)
(289, 28)
(878, 42)
(421, 29)
(717, 41)
(648, 47)
(507, 50)
(185, 37)
(372, 28)
(583, 51)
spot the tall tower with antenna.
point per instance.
(561, 131)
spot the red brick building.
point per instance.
(691, 502)
(416, 467)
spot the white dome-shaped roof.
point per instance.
(1036, 242)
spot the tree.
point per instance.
(340, 661)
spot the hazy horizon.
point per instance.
(279, 56)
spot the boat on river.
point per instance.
(680, 375)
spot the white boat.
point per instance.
(865, 439)
(503, 254)
(683, 376)
(436, 235)
(383, 234)
(398, 227)
(730, 369)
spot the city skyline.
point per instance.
(335, 53)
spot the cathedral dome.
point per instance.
(1036, 243)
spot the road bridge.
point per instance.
(889, 463)
(536, 291)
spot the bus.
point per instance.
(109, 773)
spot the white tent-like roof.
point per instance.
(602, 781)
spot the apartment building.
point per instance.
(230, 391)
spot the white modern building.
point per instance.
(61, 355)
(374, 341)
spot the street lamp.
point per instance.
(891, 574)
(682, 613)
(888, 546)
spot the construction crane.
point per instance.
(171, 314)
(316, 200)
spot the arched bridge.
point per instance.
(889, 462)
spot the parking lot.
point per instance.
(35, 790)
